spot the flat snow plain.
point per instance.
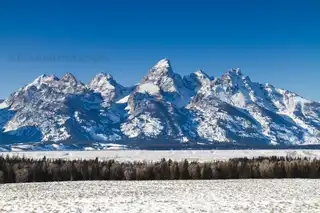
(282, 195)
(141, 155)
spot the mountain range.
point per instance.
(163, 108)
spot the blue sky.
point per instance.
(272, 41)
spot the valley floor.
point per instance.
(141, 155)
(273, 195)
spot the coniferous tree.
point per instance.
(1, 177)
(174, 171)
(194, 170)
(183, 169)
(206, 171)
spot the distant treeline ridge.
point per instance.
(19, 170)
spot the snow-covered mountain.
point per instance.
(163, 108)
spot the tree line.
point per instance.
(19, 170)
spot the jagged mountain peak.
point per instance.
(162, 75)
(196, 80)
(201, 73)
(48, 77)
(161, 81)
(103, 81)
(68, 80)
(235, 78)
(69, 77)
(108, 88)
(42, 79)
(70, 84)
(235, 71)
(103, 75)
(163, 63)
(163, 106)
(161, 69)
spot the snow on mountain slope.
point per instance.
(155, 105)
(215, 120)
(108, 88)
(168, 84)
(152, 116)
(3, 104)
(196, 80)
(164, 106)
(61, 109)
(274, 109)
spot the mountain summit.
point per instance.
(163, 108)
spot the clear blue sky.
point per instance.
(272, 41)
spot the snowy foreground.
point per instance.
(141, 155)
(286, 195)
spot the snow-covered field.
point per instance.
(141, 155)
(286, 195)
